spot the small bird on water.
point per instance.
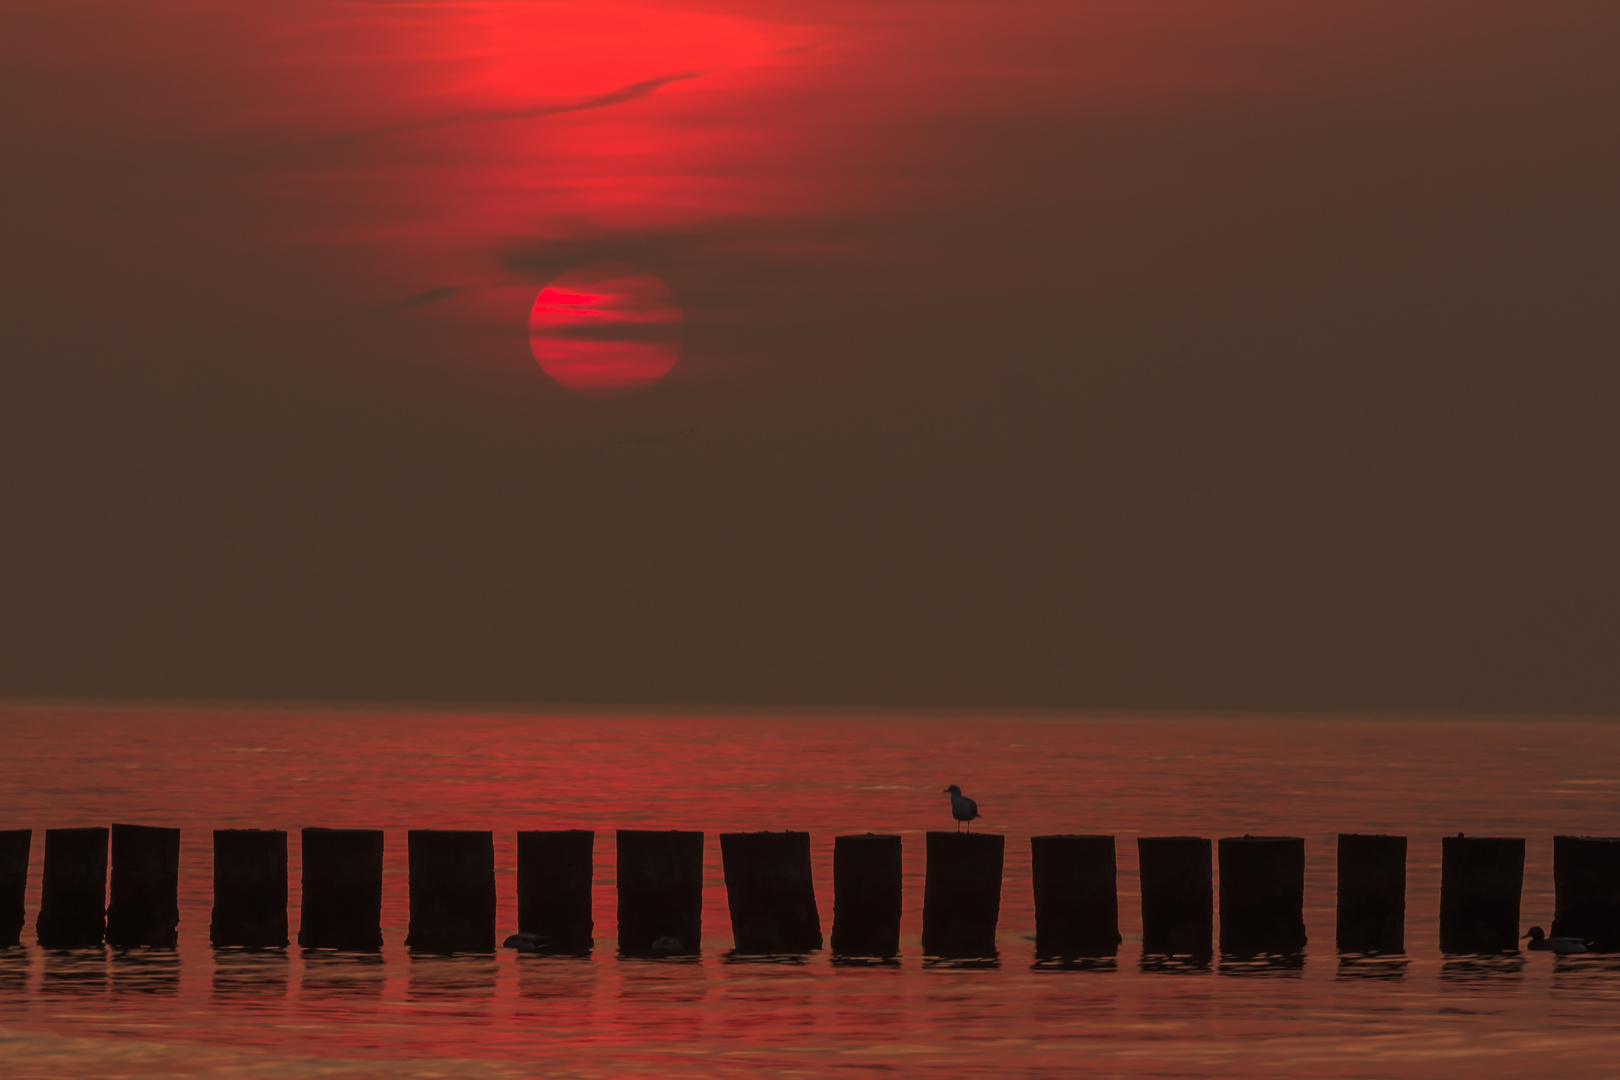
(1562, 946)
(962, 807)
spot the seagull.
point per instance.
(1562, 946)
(962, 807)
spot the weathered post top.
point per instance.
(144, 908)
(1178, 896)
(14, 845)
(1076, 896)
(1481, 879)
(452, 879)
(1371, 894)
(73, 894)
(342, 882)
(1262, 895)
(554, 889)
(770, 892)
(250, 889)
(866, 896)
(1586, 877)
(660, 892)
(962, 894)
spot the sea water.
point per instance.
(195, 1011)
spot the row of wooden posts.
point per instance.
(772, 898)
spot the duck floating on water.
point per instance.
(1562, 946)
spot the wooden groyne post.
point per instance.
(1372, 894)
(250, 889)
(866, 896)
(73, 894)
(1076, 896)
(1481, 878)
(770, 892)
(1262, 895)
(452, 891)
(342, 905)
(14, 847)
(1586, 879)
(144, 906)
(962, 894)
(554, 888)
(660, 892)
(1178, 896)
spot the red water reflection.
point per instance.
(198, 1011)
(604, 329)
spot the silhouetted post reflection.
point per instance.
(250, 889)
(452, 891)
(14, 846)
(660, 892)
(250, 973)
(1364, 966)
(14, 968)
(962, 894)
(770, 893)
(1586, 876)
(73, 895)
(342, 903)
(1076, 896)
(466, 982)
(76, 973)
(554, 888)
(568, 980)
(145, 907)
(1372, 894)
(331, 975)
(1467, 969)
(1481, 878)
(1178, 898)
(153, 970)
(866, 897)
(1262, 895)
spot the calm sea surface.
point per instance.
(194, 1012)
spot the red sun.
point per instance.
(604, 329)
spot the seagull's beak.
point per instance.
(1523, 936)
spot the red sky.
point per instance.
(1234, 353)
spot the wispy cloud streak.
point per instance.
(634, 92)
(432, 296)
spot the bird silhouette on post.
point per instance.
(962, 807)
